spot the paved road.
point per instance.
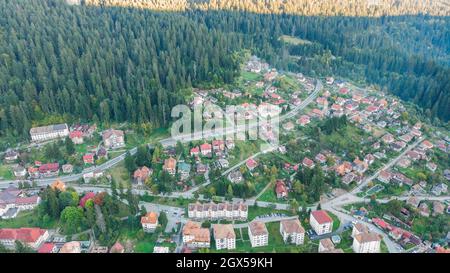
(174, 214)
(266, 220)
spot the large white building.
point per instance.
(212, 211)
(321, 222)
(224, 236)
(49, 132)
(292, 231)
(257, 231)
(367, 242)
(149, 221)
(32, 237)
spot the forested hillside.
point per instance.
(298, 7)
(114, 64)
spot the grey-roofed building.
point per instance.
(49, 132)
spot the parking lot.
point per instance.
(175, 215)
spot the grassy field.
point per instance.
(26, 219)
(294, 40)
(250, 76)
(120, 174)
(270, 196)
(6, 172)
(336, 221)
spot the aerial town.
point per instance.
(354, 171)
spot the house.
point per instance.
(388, 138)
(229, 144)
(366, 242)
(117, 248)
(33, 172)
(170, 165)
(438, 208)
(58, 185)
(426, 144)
(258, 234)
(32, 237)
(11, 155)
(384, 176)
(349, 178)
(280, 189)
(251, 164)
(49, 169)
(292, 231)
(321, 222)
(195, 236)
(224, 236)
(325, 245)
(404, 162)
(141, 174)
(195, 151)
(76, 137)
(218, 145)
(95, 174)
(206, 149)
(88, 159)
(48, 248)
(201, 168)
(184, 169)
(401, 179)
(102, 153)
(67, 168)
(308, 163)
(424, 210)
(235, 176)
(223, 163)
(71, 247)
(344, 168)
(321, 158)
(413, 155)
(19, 171)
(439, 189)
(113, 139)
(303, 120)
(369, 159)
(360, 166)
(49, 132)
(149, 221)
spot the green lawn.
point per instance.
(120, 174)
(250, 76)
(336, 221)
(6, 172)
(346, 241)
(270, 196)
(26, 219)
(294, 40)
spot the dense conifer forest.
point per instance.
(62, 62)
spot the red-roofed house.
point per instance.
(88, 159)
(206, 149)
(280, 189)
(49, 169)
(195, 151)
(303, 120)
(426, 144)
(76, 137)
(141, 174)
(251, 164)
(308, 163)
(321, 222)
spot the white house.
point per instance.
(195, 236)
